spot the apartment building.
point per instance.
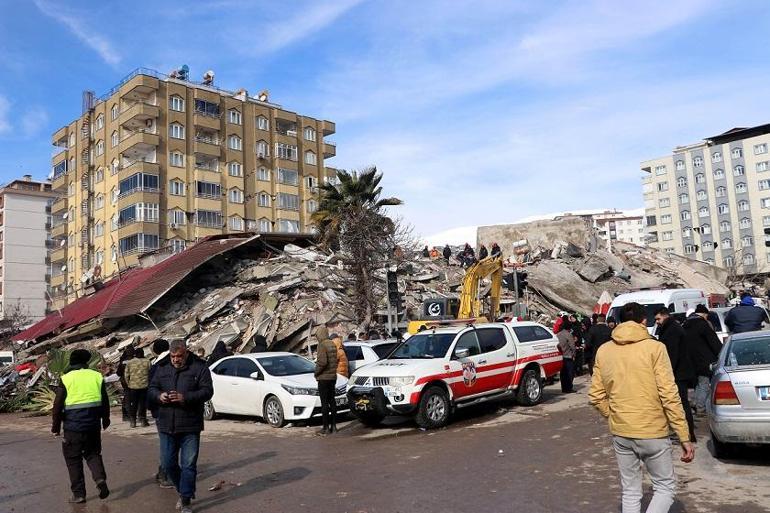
(711, 200)
(613, 226)
(161, 161)
(25, 207)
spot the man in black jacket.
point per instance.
(597, 335)
(746, 316)
(180, 390)
(671, 333)
(160, 350)
(703, 346)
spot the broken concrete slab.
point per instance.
(593, 269)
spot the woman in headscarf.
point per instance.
(219, 352)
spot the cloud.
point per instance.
(5, 108)
(87, 35)
(34, 120)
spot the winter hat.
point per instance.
(701, 309)
(690, 312)
(747, 301)
(80, 357)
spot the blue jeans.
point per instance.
(179, 456)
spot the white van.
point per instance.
(6, 358)
(676, 300)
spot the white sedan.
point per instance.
(278, 387)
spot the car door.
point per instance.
(355, 356)
(223, 379)
(246, 390)
(499, 359)
(465, 382)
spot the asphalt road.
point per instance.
(554, 457)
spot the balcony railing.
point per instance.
(208, 140)
(137, 189)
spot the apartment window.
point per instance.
(703, 212)
(114, 139)
(681, 182)
(99, 229)
(741, 187)
(739, 171)
(310, 158)
(665, 219)
(705, 229)
(766, 221)
(684, 199)
(737, 153)
(312, 183)
(719, 173)
(743, 206)
(724, 226)
(99, 148)
(745, 223)
(727, 243)
(71, 239)
(139, 182)
(235, 169)
(99, 176)
(684, 216)
(288, 226)
(728, 261)
(764, 202)
(114, 222)
(748, 240)
(176, 131)
(210, 218)
(312, 206)
(288, 176)
(680, 165)
(667, 235)
(288, 201)
(234, 142)
(176, 187)
(114, 167)
(763, 185)
(176, 217)
(207, 108)
(716, 157)
(310, 136)
(72, 164)
(236, 223)
(99, 202)
(99, 257)
(686, 232)
(177, 245)
(689, 249)
(235, 116)
(651, 221)
(700, 178)
(262, 149)
(748, 259)
(720, 192)
(114, 253)
(723, 208)
(669, 250)
(708, 246)
(208, 190)
(265, 225)
(263, 199)
(759, 149)
(176, 159)
(286, 151)
(262, 123)
(697, 162)
(664, 202)
(176, 103)
(71, 189)
(701, 195)
(114, 112)
(113, 195)
(236, 196)
(138, 212)
(263, 174)
(139, 242)
(72, 140)
(761, 166)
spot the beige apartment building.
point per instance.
(24, 246)
(711, 200)
(162, 161)
(616, 226)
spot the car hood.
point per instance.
(305, 380)
(401, 367)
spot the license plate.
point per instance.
(342, 401)
(764, 393)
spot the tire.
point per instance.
(530, 391)
(433, 411)
(273, 412)
(368, 418)
(722, 450)
(209, 413)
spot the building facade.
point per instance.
(162, 161)
(711, 200)
(613, 226)
(25, 218)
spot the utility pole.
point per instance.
(516, 310)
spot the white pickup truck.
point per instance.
(436, 371)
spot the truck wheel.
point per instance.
(209, 413)
(274, 412)
(433, 411)
(368, 418)
(722, 450)
(530, 390)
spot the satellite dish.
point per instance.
(65, 215)
(63, 243)
(263, 95)
(208, 77)
(50, 175)
(63, 268)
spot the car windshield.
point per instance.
(750, 351)
(649, 309)
(383, 350)
(424, 345)
(286, 365)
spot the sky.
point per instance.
(476, 112)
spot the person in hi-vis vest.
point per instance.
(83, 407)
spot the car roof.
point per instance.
(458, 329)
(655, 294)
(750, 334)
(369, 343)
(254, 356)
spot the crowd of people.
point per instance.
(466, 256)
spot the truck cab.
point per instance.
(438, 370)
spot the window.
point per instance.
(741, 187)
(139, 242)
(236, 223)
(176, 188)
(114, 222)
(288, 176)
(113, 195)
(235, 116)
(99, 122)
(99, 148)
(748, 259)
(685, 215)
(262, 149)
(761, 166)
(262, 123)
(206, 108)
(716, 157)
(210, 218)
(99, 257)
(764, 202)
(723, 208)
(310, 136)
(265, 225)
(235, 169)
(176, 217)
(662, 186)
(766, 221)
(138, 182)
(286, 151)
(114, 139)
(689, 249)
(310, 158)
(176, 103)
(728, 261)
(114, 112)
(667, 235)
(664, 202)
(681, 182)
(686, 232)
(288, 226)
(727, 243)
(700, 178)
(138, 212)
(737, 153)
(759, 149)
(99, 176)
(763, 185)
(208, 190)
(263, 174)
(669, 250)
(719, 173)
(176, 159)
(312, 206)
(234, 142)
(725, 226)
(263, 199)
(99, 229)
(748, 240)
(708, 246)
(665, 219)
(697, 162)
(288, 201)
(680, 165)
(236, 196)
(114, 167)
(651, 221)
(705, 229)
(176, 131)
(739, 171)
(684, 199)
(72, 140)
(721, 192)
(99, 202)
(745, 223)
(701, 195)
(491, 339)
(743, 206)
(177, 245)
(703, 212)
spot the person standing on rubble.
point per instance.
(425, 252)
(326, 376)
(483, 252)
(137, 377)
(496, 251)
(127, 354)
(447, 253)
(567, 348)
(82, 405)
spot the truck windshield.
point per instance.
(650, 309)
(424, 345)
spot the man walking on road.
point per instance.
(180, 390)
(326, 375)
(568, 349)
(137, 378)
(633, 386)
(703, 346)
(82, 404)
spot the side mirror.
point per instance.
(713, 366)
(463, 352)
(256, 375)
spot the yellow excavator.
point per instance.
(443, 311)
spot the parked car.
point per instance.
(739, 409)
(437, 370)
(278, 387)
(364, 352)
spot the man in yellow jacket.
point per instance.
(633, 386)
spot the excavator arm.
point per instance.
(470, 302)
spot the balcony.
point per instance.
(58, 280)
(59, 255)
(147, 195)
(206, 163)
(138, 143)
(207, 143)
(59, 231)
(59, 205)
(207, 119)
(136, 115)
(138, 166)
(328, 128)
(138, 87)
(330, 149)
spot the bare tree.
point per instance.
(16, 318)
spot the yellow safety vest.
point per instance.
(84, 389)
